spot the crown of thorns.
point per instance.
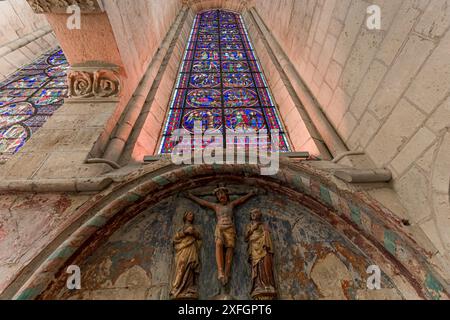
(221, 189)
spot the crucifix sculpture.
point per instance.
(225, 233)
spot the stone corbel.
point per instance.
(94, 82)
(60, 6)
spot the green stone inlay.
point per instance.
(97, 222)
(161, 181)
(356, 214)
(389, 241)
(325, 195)
(62, 253)
(298, 182)
(188, 170)
(133, 197)
(433, 286)
(29, 294)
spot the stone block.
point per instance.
(413, 190)
(368, 87)
(399, 76)
(325, 95)
(347, 126)
(333, 74)
(352, 25)
(396, 131)
(441, 176)
(23, 165)
(325, 18)
(341, 9)
(365, 130)
(360, 59)
(337, 107)
(398, 33)
(6, 67)
(17, 59)
(435, 21)
(432, 232)
(440, 119)
(412, 151)
(430, 86)
(326, 54)
(70, 164)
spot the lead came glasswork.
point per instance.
(221, 83)
(28, 98)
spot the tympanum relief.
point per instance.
(227, 242)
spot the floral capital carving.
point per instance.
(96, 83)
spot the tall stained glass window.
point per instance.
(221, 84)
(28, 98)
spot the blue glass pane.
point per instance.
(221, 85)
(28, 98)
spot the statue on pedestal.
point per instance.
(187, 262)
(225, 233)
(260, 253)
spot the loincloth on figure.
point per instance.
(226, 235)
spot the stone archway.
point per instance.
(359, 222)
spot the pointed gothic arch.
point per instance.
(365, 223)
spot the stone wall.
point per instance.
(28, 223)
(385, 91)
(24, 36)
(139, 27)
(149, 126)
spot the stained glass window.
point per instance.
(221, 84)
(28, 98)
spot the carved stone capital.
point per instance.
(60, 6)
(94, 81)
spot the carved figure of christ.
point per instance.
(225, 232)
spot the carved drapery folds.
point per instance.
(60, 6)
(260, 256)
(94, 82)
(187, 243)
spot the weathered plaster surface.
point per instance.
(371, 228)
(312, 260)
(28, 223)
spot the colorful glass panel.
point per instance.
(221, 85)
(28, 98)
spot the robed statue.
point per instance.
(187, 262)
(225, 232)
(260, 254)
